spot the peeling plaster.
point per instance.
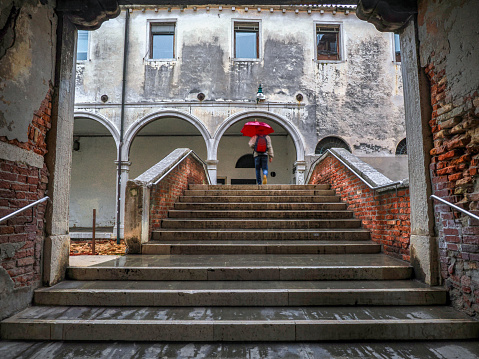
(22, 88)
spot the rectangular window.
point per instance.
(82, 45)
(162, 41)
(246, 35)
(327, 42)
(397, 48)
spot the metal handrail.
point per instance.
(205, 167)
(23, 209)
(455, 207)
(392, 184)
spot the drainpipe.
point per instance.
(122, 120)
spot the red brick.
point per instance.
(450, 154)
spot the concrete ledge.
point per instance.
(155, 172)
(16, 154)
(372, 176)
(89, 235)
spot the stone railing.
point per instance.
(385, 211)
(153, 193)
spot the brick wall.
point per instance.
(454, 168)
(386, 214)
(164, 195)
(21, 237)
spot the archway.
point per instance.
(288, 166)
(153, 137)
(93, 177)
(175, 124)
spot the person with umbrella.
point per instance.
(262, 147)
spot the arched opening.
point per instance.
(245, 161)
(158, 137)
(401, 148)
(93, 176)
(330, 142)
(231, 145)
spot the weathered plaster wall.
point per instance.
(27, 66)
(359, 98)
(449, 55)
(27, 62)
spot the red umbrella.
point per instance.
(251, 129)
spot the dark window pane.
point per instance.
(401, 149)
(162, 46)
(246, 161)
(327, 43)
(330, 142)
(246, 45)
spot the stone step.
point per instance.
(268, 192)
(259, 247)
(250, 267)
(259, 199)
(284, 214)
(259, 187)
(240, 294)
(337, 206)
(267, 224)
(239, 324)
(353, 234)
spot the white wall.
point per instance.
(93, 182)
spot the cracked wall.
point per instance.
(27, 62)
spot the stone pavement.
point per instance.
(123, 350)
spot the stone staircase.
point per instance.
(246, 263)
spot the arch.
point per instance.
(101, 119)
(142, 122)
(401, 148)
(330, 142)
(290, 128)
(245, 161)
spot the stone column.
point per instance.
(125, 170)
(423, 245)
(300, 169)
(59, 156)
(212, 166)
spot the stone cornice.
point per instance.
(386, 15)
(88, 14)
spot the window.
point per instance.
(327, 42)
(245, 161)
(401, 149)
(330, 142)
(82, 45)
(397, 48)
(246, 37)
(162, 41)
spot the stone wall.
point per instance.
(384, 212)
(449, 56)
